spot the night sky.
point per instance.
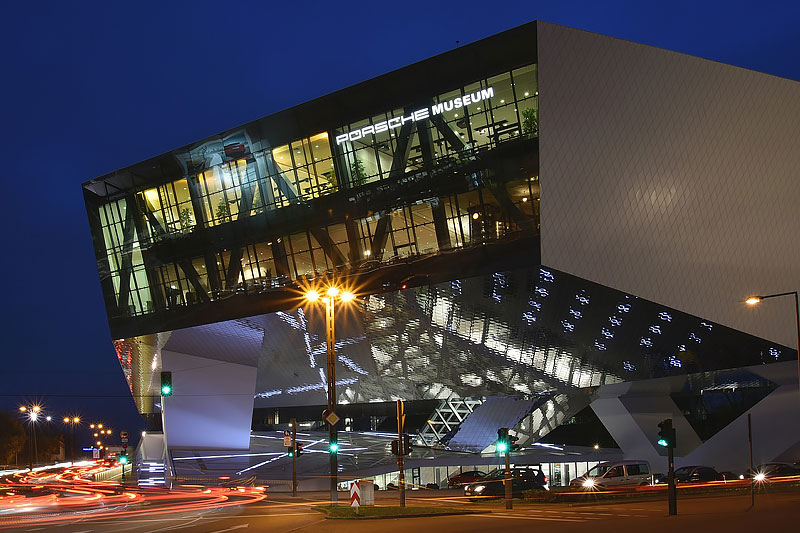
(90, 87)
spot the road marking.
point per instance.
(240, 526)
(521, 517)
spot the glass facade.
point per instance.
(245, 213)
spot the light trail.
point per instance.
(39, 498)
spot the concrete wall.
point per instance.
(631, 412)
(212, 406)
(670, 177)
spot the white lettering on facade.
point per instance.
(416, 116)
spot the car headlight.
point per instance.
(479, 488)
(589, 483)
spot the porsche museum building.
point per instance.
(548, 230)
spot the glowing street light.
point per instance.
(32, 412)
(331, 294)
(756, 299)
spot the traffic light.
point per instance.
(123, 459)
(502, 440)
(395, 447)
(166, 384)
(298, 449)
(407, 444)
(333, 446)
(512, 443)
(290, 451)
(666, 433)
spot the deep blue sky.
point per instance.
(89, 87)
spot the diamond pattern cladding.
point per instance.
(670, 177)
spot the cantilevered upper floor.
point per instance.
(424, 174)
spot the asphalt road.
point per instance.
(284, 514)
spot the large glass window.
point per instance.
(168, 208)
(480, 114)
(125, 261)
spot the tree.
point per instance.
(223, 211)
(530, 122)
(13, 439)
(357, 173)
(187, 220)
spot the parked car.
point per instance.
(696, 474)
(464, 478)
(492, 485)
(612, 474)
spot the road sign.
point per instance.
(355, 495)
(95, 453)
(331, 418)
(123, 435)
(287, 438)
(124, 439)
(124, 445)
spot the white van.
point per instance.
(606, 475)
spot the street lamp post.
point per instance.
(32, 413)
(753, 300)
(72, 421)
(330, 337)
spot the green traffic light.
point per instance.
(502, 447)
(333, 447)
(166, 390)
(663, 442)
(291, 454)
(123, 459)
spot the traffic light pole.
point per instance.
(507, 479)
(294, 457)
(401, 418)
(671, 493)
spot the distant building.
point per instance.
(577, 220)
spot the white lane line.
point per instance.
(240, 526)
(520, 517)
(176, 526)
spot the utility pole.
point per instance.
(752, 474)
(401, 420)
(294, 457)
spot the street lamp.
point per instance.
(754, 300)
(344, 296)
(31, 412)
(72, 421)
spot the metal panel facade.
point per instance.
(670, 177)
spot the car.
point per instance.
(773, 470)
(492, 485)
(696, 474)
(614, 474)
(464, 478)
